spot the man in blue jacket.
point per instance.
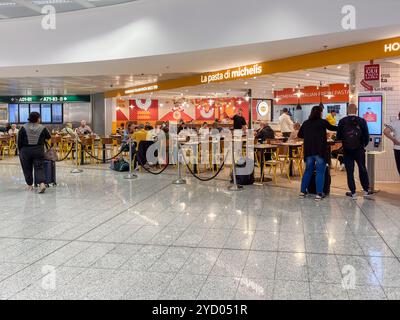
(354, 134)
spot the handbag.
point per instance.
(50, 154)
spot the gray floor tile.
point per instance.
(291, 266)
(219, 288)
(291, 290)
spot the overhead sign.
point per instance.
(349, 54)
(232, 74)
(392, 47)
(44, 99)
(153, 87)
(334, 93)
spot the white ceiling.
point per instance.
(75, 85)
(26, 8)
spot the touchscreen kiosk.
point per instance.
(371, 108)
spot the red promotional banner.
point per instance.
(140, 110)
(205, 110)
(143, 110)
(334, 93)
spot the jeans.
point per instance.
(351, 157)
(314, 163)
(32, 159)
(397, 157)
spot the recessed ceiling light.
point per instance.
(339, 67)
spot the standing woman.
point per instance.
(313, 131)
(31, 141)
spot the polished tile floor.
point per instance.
(99, 236)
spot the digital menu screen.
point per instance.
(370, 108)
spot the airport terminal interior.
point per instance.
(175, 148)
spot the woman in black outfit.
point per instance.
(313, 131)
(31, 141)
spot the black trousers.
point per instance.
(397, 157)
(32, 159)
(350, 158)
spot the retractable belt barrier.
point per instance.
(205, 179)
(99, 159)
(68, 153)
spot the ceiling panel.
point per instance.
(23, 8)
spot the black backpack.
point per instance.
(352, 134)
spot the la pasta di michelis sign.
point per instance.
(232, 74)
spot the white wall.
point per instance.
(156, 27)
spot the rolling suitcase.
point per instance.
(312, 188)
(49, 173)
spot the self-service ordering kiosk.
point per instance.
(372, 107)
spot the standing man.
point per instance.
(354, 134)
(286, 123)
(239, 122)
(331, 118)
(392, 132)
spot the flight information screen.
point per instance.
(370, 108)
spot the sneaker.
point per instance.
(302, 195)
(319, 197)
(368, 194)
(342, 167)
(352, 195)
(42, 188)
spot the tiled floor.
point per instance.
(99, 236)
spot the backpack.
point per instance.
(119, 165)
(352, 134)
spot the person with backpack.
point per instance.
(316, 155)
(354, 134)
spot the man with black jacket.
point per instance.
(354, 134)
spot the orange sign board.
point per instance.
(335, 93)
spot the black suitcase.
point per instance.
(49, 173)
(312, 188)
(244, 180)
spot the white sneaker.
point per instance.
(352, 195)
(342, 167)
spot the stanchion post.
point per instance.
(235, 186)
(131, 175)
(76, 170)
(180, 180)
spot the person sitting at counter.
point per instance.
(68, 130)
(83, 129)
(148, 126)
(264, 133)
(295, 132)
(14, 130)
(139, 135)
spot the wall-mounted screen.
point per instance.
(370, 108)
(23, 113)
(46, 113)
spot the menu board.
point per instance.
(370, 108)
